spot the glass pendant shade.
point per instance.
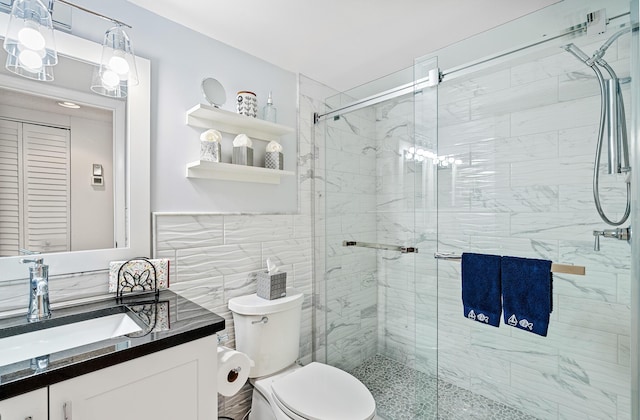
(29, 41)
(117, 69)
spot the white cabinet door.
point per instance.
(177, 383)
(32, 405)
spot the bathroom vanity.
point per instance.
(167, 373)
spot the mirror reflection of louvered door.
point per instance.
(10, 187)
(46, 180)
(43, 185)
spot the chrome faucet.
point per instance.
(623, 234)
(38, 290)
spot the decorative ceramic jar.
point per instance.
(247, 103)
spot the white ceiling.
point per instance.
(341, 43)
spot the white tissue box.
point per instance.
(273, 160)
(271, 286)
(242, 155)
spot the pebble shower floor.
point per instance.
(393, 387)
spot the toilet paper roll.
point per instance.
(233, 370)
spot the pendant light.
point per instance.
(117, 69)
(29, 41)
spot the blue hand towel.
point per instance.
(481, 288)
(527, 293)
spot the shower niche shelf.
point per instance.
(231, 172)
(207, 116)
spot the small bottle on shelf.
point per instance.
(269, 111)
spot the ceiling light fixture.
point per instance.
(67, 104)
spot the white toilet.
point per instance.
(268, 331)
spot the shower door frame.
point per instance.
(634, 138)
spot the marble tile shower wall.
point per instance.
(371, 195)
(395, 224)
(526, 135)
(350, 273)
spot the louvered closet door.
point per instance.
(10, 191)
(46, 172)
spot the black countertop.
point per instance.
(166, 321)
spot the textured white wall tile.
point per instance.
(187, 231)
(243, 229)
(292, 251)
(208, 292)
(219, 260)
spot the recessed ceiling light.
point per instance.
(69, 105)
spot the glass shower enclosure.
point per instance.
(491, 155)
(380, 229)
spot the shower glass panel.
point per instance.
(520, 134)
(496, 159)
(374, 184)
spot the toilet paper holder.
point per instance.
(222, 338)
(233, 370)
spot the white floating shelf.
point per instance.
(231, 172)
(207, 116)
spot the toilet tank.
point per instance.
(268, 331)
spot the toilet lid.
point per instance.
(320, 392)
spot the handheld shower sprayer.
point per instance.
(612, 116)
(578, 53)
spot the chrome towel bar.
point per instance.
(402, 249)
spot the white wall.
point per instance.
(92, 220)
(180, 59)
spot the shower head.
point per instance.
(578, 53)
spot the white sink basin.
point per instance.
(45, 341)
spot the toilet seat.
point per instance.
(320, 392)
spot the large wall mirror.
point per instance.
(74, 182)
